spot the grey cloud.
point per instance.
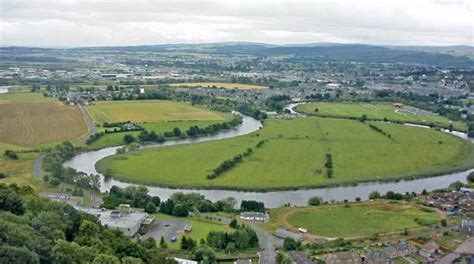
(121, 22)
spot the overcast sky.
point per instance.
(67, 23)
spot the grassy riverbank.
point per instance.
(294, 156)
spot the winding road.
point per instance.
(92, 129)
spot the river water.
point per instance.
(4, 89)
(85, 162)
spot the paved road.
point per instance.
(92, 128)
(266, 243)
(37, 166)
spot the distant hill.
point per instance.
(452, 56)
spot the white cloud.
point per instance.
(121, 22)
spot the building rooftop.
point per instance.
(115, 218)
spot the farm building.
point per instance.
(252, 216)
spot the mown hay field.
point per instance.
(294, 155)
(149, 111)
(28, 119)
(216, 85)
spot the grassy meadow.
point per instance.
(378, 111)
(216, 85)
(148, 111)
(354, 220)
(294, 156)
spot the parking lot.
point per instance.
(167, 229)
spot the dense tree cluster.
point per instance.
(252, 206)
(315, 201)
(241, 238)
(180, 204)
(277, 102)
(56, 173)
(36, 230)
(329, 166)
(10, 154)
(251, 110)
(135, 196)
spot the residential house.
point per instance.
(429, 250)
(401, 249)
(342, 258)
(377, 257)
(253, 216)
(300, 257)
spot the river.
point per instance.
(85, 162)
(4, 89)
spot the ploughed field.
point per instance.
(354, 220)
(295, 153)
(29, 119)
(402, 113)
(153, 115)
(216, 85)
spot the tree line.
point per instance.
(193, 131)
(228, 164)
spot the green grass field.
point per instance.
(360, 219)
(200, 228)
(378, 111)
(148, 111)
(294, 156)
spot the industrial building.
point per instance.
(127, 221)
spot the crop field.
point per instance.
(114, 139)
(354, 220)
(378, 111)
(294, 155)
(238, 86)
(29, 119)
(149, 111)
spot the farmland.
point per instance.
(238, 86)
(354, 220)
(294, 155)
(149, 111)
(30, 119)
(153, 115)
(378, 111)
